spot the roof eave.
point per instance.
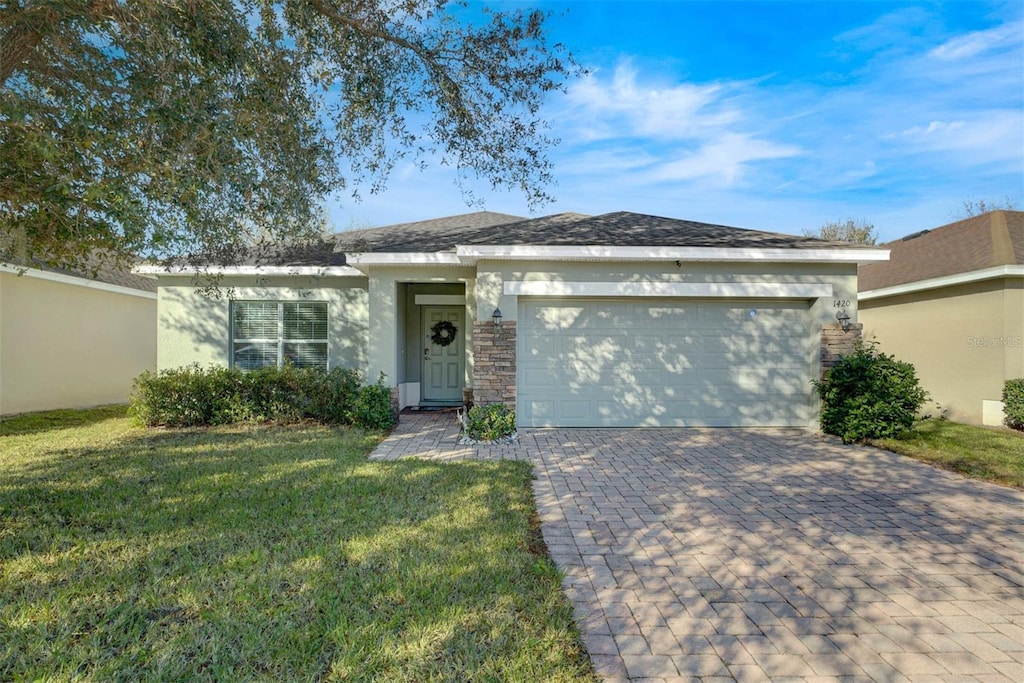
(611, 253)
(265, 271)
(994, 273)
(76, 280)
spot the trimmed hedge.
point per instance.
(869, 395)
(193, 396)
(1013, 403)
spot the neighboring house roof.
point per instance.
(987, 241)
(97, 270)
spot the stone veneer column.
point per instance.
(494, 363)
(395, 411)
(835, 343)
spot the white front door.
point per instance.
(444, 358)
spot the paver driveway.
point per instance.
(768, 554)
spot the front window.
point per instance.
(272, 333)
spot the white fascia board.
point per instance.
(747, 290)
(993, 273)
(404, 258)
(77, 281)
(264, 271)
(592, 253)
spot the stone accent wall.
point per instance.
(395, 403)
(836, 343)
(494, 363)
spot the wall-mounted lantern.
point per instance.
(496, 317)
(844, 319)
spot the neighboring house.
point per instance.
(951, 301)
(68, 340)
(614, 320)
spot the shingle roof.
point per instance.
(620, 229)
(991, 239)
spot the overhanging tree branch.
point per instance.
(169, 128)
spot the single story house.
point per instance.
(951, 301)
(71, 340)
(621, 319)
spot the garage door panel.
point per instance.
(551, 318)
(593, 362)
(666, 317)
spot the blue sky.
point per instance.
(769, 115)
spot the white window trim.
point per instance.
(704, 290)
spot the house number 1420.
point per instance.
(840, 303)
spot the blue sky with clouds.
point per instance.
(769, 115)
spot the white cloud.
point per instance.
(977, 43)
(622, 107)
(725, 159)
(982, 137)
(933, 128)
(661, 132)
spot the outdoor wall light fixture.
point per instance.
(496, 317)
(844, 319)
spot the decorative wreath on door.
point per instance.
(443, 333)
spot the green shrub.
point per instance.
(373, 409)
(1013, 403)
(193, 396)
(186, 397)
(490, 422)
(869, 395)
(332, 395)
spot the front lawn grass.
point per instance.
(988, 453)
(267, 553)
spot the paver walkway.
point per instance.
(694, 554)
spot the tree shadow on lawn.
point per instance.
(274, 553)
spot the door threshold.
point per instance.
(436, 405)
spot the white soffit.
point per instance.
(264, 271)
(752, 290)
(592, 253)
(77, 281)
(945, 281)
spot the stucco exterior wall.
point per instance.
(965, 341)
(194, 328)
(70, 346)
(493, 274)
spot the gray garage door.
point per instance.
(663, 362)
